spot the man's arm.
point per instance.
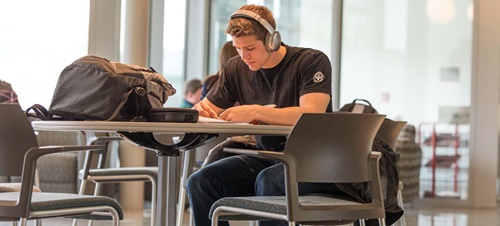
(309, 103)
(207, 109)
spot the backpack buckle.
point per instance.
(139, 90)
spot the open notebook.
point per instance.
(206, 120)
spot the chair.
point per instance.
(45, 138)
(389, 132)
(19, 152)
(101, 174)
(339, 154)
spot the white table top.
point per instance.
(107, 126)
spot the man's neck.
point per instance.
(276, 57)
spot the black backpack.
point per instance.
(359, 106)
(387, 167)
(94, 88)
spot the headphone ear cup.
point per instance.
(273, 41)
(269, 43)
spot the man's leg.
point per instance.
(231, 176)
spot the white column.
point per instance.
(485, 105)
(135, 28)
(134, 45)
(104, 29)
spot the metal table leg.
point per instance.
(165, 205)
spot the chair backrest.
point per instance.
(16, 138)
(333, 147)
(389, 131)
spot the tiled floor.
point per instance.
(414, 217)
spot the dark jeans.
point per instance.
(240, 176)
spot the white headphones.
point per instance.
(273, 39)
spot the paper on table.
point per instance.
(206, 120)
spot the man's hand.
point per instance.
(243, 113)
(205, 109)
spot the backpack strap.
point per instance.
(356, 107)
(120, 106)
(40, 112)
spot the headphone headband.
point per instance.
(254, 16)
(273, 39)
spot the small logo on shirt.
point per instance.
(318, 77)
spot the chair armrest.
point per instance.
(279, 156)
(377, 195)
(375, 155)
(33, 154)
(96, 140)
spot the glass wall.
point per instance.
(293, 19)
(45, 37)
(174, 47)
(412, 61)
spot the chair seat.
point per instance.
(14, 187)
(276, 204)
(42, 201)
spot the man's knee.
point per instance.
(269, 183)
(195, 181)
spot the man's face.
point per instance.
(252, 51)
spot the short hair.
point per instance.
(192, 86)
(241, 26)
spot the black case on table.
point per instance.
(172, 114)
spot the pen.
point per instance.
(270, 105)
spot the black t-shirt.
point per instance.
(301, 71)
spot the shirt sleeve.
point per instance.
(220, 94)
(317, 75)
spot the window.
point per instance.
(174, 48)
(412, 60)
(39, 39)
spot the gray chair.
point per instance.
(390, 130)
(101, 174)
(323, 148)
(59, 172)
(19, 152)
(43, 137)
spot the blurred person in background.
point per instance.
(227, 52)
(192, 93)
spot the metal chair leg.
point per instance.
(186, 166)
(401, 221)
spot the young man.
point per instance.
(192, 93)
(296, 80)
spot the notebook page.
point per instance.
(206, 120)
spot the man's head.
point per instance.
(254, 42)
(192, 91)
(261, 24)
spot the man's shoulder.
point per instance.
(303, 50)
(306, 56)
